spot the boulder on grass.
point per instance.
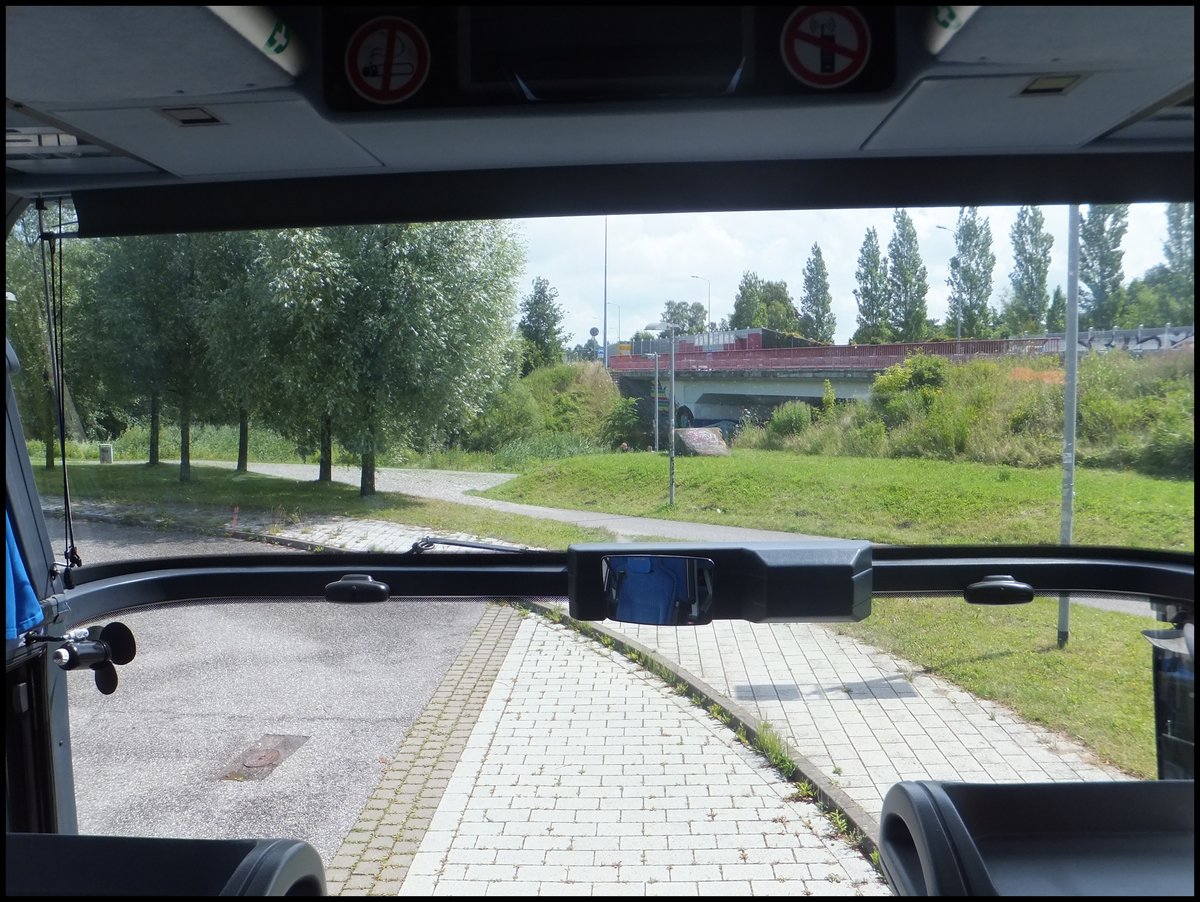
(703, 441)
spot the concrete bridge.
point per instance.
(716, 384)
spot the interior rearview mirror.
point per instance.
(659, 590)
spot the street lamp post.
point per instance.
(654, 354)
(708, 324)
(673, 329)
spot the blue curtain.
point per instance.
(22, 611)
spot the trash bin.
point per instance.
(106, 454)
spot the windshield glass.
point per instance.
(896, 376)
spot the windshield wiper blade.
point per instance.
(426, 543)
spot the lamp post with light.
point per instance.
(654, 354)
(673, 328)
(708, 322)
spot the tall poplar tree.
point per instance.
(1026, 309)
(908, 282)
(1100, 257)
(871, 293)
(816, 303)
(969, 313)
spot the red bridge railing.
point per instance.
(854, 357)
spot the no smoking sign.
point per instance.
(387, 60)
(825, 46)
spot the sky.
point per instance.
(652, 259)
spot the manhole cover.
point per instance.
(258, 761)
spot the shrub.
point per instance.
(790, 418)
(624, 424)
(574, 397)
(1172, 446)
(514, 414)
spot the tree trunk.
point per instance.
(154, 429)
(185, 445)
(366, 485)
(325, 473)
(243, 462)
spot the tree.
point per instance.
(145, 320)
(816, 304)
(1179, 253)
(541, 327)
(762, 304)
(908, 282)
(1100, 256)
(1026, 309)
(306, 286)
(970, 281)
(690, 318)
(234, 319)
(872, 293)
(1056, 316)
(429, 307)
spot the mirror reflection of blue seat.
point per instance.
(664, 590)
(646, 588)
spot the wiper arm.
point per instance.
(426, 543)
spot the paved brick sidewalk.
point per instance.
(585, 776)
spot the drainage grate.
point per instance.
(257, 762)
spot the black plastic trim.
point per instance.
(876, 182)
(905, 570)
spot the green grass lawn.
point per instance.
(215, 491)
(1098, 689)
(894, 501)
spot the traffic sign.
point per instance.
(387, 60)
(825, 46)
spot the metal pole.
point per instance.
(708, 282)
(1069, 391)
(671, 451)
(657, 413)
(606, 292)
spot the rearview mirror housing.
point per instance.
(765, 582)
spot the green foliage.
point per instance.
(872, 293)
(908, 282)
(1031, 243)
(574, 398)
(514, 415)
(790, 418)
(816, 303)
(970, 278)
(828, 400)
(541, 327)
(690, 318)
(1056, 315)
(1172, 447)
(907, 390)
(762, 303)
(1100, 255)
(623, 425)
(521, 455)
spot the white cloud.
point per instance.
(652, 258)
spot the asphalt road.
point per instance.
(214, 685)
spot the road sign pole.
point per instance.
(1071, 361)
